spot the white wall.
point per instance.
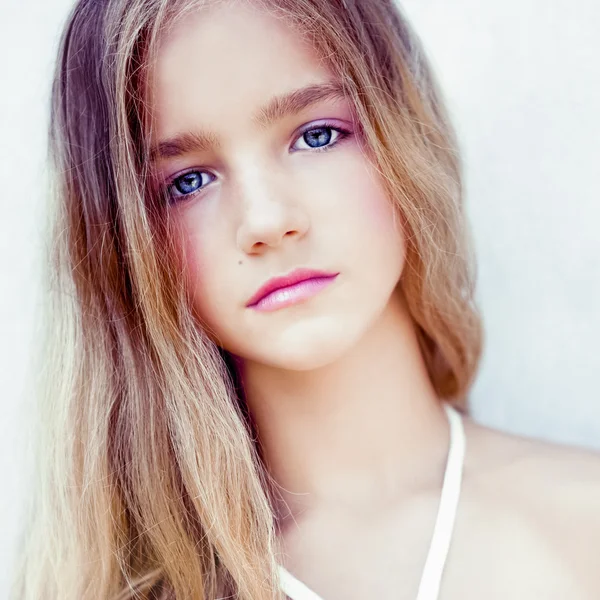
(522, 78)
(523, 83)
(29, 33)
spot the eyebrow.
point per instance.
(277, 108)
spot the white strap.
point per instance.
(431, 578)
(294, 588)
(442, 534)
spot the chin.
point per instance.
(306, 345)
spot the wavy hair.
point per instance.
(149, 480)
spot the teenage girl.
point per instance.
(263, 332)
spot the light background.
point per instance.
(522, 80)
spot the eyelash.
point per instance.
(343, 134)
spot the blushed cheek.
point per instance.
(379, 212)
(376, 205)
(196, 265)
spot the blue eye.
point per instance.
(187, 184)
(319, 138)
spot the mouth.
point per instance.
(297, 286)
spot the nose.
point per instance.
(270, 212)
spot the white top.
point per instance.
(442, 534)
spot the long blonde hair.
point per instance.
(149, 480)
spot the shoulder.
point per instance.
(541, 496)
(541, 465)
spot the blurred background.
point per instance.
(522, 82)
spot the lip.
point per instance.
(289, 281)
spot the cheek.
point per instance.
(379, 211)
(201, 254)
(373, 234)
(196, 252)
(368, 208)
(377, 206)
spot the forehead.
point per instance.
(220, 63)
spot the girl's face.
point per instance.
(266, 178)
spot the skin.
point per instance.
(350, 426)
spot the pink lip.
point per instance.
(295, 287)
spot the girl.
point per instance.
(264, 333)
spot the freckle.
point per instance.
(240, 262)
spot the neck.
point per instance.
(359, 431)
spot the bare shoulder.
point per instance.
(558, 466)
(544, 496)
